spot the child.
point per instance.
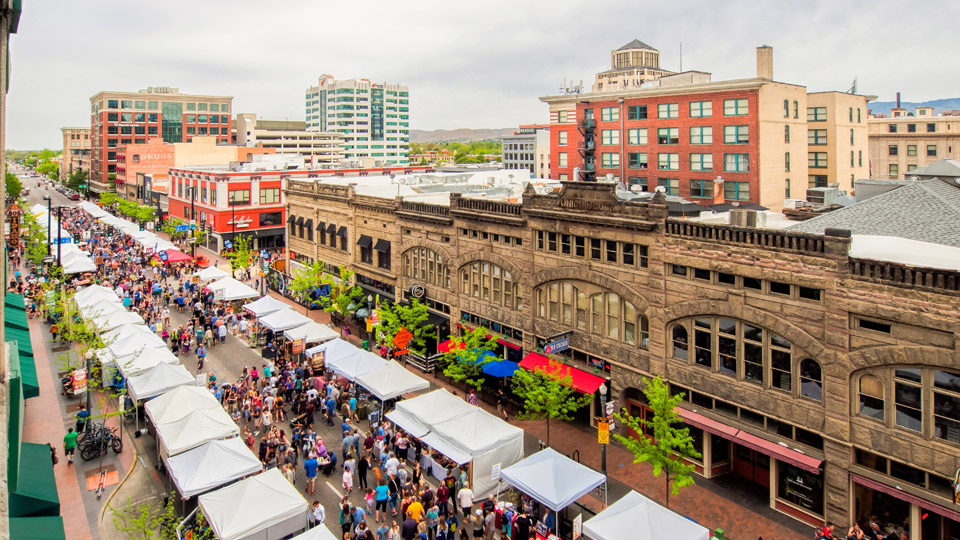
(370, 501)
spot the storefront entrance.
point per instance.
(751, 465)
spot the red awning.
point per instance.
(770, 448)
(506, 343)
(447, 345)
(909, 497)
(582, 381)
(175, 256)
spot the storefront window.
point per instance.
(871, 397)
(719, 449)
(800, 488)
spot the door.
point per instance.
(752, 465)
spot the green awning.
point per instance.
(14, 312)
(28, 366)
(37, 528)
(36, 493)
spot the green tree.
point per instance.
(242, 254)
(548, 393)
(35, 239)
(142, 521)
(77, 179)
(305, 279)
(466, 357)
(144, 213)
(343, 294)
(49, 169)
(12, 185)
(108, 199)
(670, 445)
(413, 317)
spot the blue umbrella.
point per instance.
(501, 368)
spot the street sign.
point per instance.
(610, 407)
(228, 244)
(603, 432)
(578, 526)
(557, 346)
(402, 338)
(182, 228)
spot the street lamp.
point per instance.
(59, 234)
(603, 411)
(89, 364)
(369, 314)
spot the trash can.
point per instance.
(365, 345)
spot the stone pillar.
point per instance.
(837, 502)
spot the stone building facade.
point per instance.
(830, 383)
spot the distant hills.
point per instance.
(939, 105)
(458, 135)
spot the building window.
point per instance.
(701, 189)
(680, 342)
(796, 110)
(871, 397)
(894, 170)
(561, 117)
(637, 160)
(893, 150)
(736, 134)
(701, 109)
(610, 137)
(736, 191)
(816, 114)
(670, 185)
(668, 162)
(382, 247)
(668, 110)
(786, 108)
(609, 114)
(640, 181)
(580, 306)
(736, 162)
(911, 128)
(816, 137)
(786, 188)
(701, 162)
(637, 136)
(817, 160)
(786, 134)
(562, 159)
(931, 128)
(562, 138)
(610, 160)
(668, 136)
(800, 487)
(786, 162)
(489, 282)
(270, 196)
(811, 379)
(637, 112)
(735, 107)
(859, 161)
(701, 135)
(851, 136)
(931, 150)
(911, 150)
(892, 128)
(238, 197)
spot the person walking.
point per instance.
(82, 416)
(465, 500)
(69, 444)
(201, 355)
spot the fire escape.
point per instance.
(587, 127)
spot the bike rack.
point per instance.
(575, 455)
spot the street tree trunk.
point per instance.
(668, 490)
(548, 430)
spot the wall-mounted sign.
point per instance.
(417, 291)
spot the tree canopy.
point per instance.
(467, 356)
(548, 393)
(413, 317)
(12, 185)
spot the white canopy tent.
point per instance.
(211, 465)
(230, 289)
(176, 403)
(262, 507)
(142, 361)
(96, 296)
(100, 308)
(118, 318)
(552, 478)
(84, 294)
(334, 348)
(392, 380)
(210, 273)
(157, 380)
(79, 265)
(126, 330)
(312, 332)
(195, 428)
(417, 415)
(637, 517)
(131, 344)
(355, 365)
(284, 319)
(265, 305)
(316, 533)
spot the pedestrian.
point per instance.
(363, 464)
(318, 514)
(465, 500)
(82, 415)
(347, 480)
(69, 444)
(310, 466)
(201, 355)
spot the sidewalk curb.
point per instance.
(106, 504)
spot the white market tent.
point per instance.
(176, 403)
(125, 331)
(284, 319)
(392, 380)
(115, 319)
(232, 289)
(333, 348)
(211, 465)
(316, 533)
(96, 296)
(354, 365)
(635, 516)
(141, 361)
(311, 332)
(157, 380)
(79, 265)
(84, 294)
(210, 273)
(100, 308)
(131, 344)
(417, 415)
(195, 428)
(262, 507)
(265, 305)
(552, 478)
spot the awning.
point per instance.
(37, 528)
(291, 219)
(383, 246)
(364, 241)
(342, 231)
(299, 221)
(15, 312)
(447, 345)
(321, 226)
(582, 381)
(308, 224)
(903, 495)
(764, 446)
(36, 493)
(28, 366)
(332, 228)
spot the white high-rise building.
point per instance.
(372, 118)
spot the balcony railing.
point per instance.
(764, 238)
(425, 208)
(489, 207)
(905, 276)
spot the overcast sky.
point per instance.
(467, 64)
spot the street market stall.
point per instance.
(262, 507)
(312, 332)
(354, 365)
(127, 330)
(417, 415)
(211, 465)
(316, 533)
(176, 256)
(141, 361)
(78, 264)
(84, 295)
(110, 321)
(263, 306)
(210, 273)
(131, 344)
(158, 380)
(100, 308)
(195, 428)
(230, 289)
(176, 403)
(284, 319)
(637, 517)
(391, 380)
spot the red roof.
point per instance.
(582, 381)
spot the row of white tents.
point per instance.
(73, 259)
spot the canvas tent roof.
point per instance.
(212, 465)
(130, 344)
(552, 478)
(391, 380)
(334, 348)
(143, 360)
(95, 296)
(92, 290)
(316, 533)
(195, 428)
(157, 380)
(79, 265)
(176, 403)
(416, 415)
(115, 319)
(121, 332)
(233, 289)
(635, 516)
(265, 306)
(284, 319)
(311, 332)
(100, 308)
(471, 434)
(354, 365)
(264, 502)
(210, 273)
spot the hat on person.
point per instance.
(479, 512)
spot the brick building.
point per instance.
(76, 151)
(800, 365)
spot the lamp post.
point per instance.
(603, 411)
(59, 235)
(193, 234)
(49, 211)
(89, 365)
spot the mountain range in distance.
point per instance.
(458, 135)
(939, 105)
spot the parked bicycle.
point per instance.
(97, 440)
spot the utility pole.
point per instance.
(49, 211)
(59, 235)
(193, 233)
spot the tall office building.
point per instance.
(76, 151)
(120, 118)
(372, 118)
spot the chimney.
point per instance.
(898, 100)
(765, 62)
(718, 196)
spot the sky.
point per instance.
(467, 65)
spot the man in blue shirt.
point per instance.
(82, 415)
(310, 467)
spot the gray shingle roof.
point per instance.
(945, 168)
(636, 44)
(925, 210)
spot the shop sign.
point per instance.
(318, 360)
(557, 346)
(374, 317)
(578, 526)
(417, 291)
(297, 347)
(596, 362)
(218, 294)
(495, 472)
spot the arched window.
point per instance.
(490, 283)
(796, 109)
(786, 133)
(426, 266)
(680, 342)
(871, 397)
(786, 162)
(786, 108)
(811, 379)
(588, 308)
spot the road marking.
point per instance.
(335, 490)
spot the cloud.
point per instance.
(467, 65)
